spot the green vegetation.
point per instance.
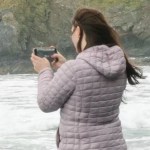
(25, 24)
(111, 3)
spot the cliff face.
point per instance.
(27, 24)
(133, 23)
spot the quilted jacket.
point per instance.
(88, 91)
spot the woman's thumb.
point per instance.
(54, 56)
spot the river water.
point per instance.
(23, 126)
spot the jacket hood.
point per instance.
(109, 61)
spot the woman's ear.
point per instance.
(77, 31)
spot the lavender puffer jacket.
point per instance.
(88, 90)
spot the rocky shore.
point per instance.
(49, 22)
(26, 67)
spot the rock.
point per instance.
(8, 35)
(49, 23)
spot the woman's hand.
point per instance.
(59, 59)
(39, 63)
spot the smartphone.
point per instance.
(46, 52)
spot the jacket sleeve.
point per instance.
(54, 89)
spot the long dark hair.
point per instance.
(98, 32)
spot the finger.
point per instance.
(35, 57)
(59, 53)
(45, 59)
(55, 56)
(35, 61)
(32, 54)
(58, 57)
(32, 59)
(52, 63)
(51, 46)
(33, 50)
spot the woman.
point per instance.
(89, 89)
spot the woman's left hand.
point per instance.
(39, 63)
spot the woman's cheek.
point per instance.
(74, 41)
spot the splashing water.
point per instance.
(24, 126)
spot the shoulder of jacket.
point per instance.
(70, 62)
(68, 67)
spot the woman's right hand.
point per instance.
(59, 59)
